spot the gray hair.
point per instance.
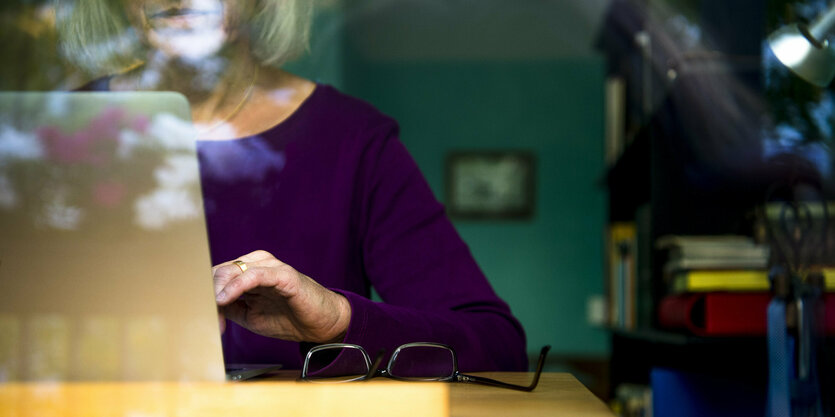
(97, 36)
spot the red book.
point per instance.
(725, 314)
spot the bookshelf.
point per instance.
(691, 164)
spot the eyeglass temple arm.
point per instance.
(493, 382)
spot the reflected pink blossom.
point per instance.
(90, 145)
(140, 123)
(109, 194)
(106, 125)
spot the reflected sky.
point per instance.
(250, 159)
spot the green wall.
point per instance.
(548, 266)
(324, 61)
(542, 100)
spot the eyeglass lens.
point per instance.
(422, 363)
(337, 364)
(347, 363)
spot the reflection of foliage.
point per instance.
(28, 58)
(688, 9)
(793, 101)
(63, 177)
(95, 144)
(80, 166)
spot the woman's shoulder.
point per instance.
(347, 110)
(315, 106)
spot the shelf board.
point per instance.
(636, 352)
(648, 335)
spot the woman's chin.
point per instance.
(188, 45)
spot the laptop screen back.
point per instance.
(104, 261)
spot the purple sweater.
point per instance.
(333, 192)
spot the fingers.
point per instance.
(236, 312)
(228, 271)
(249, 259)
(237, 285)
(280, 282)
(221, 321)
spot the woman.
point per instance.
(310, 197)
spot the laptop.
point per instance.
(105, 272)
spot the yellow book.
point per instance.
(705, 280)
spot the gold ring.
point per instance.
(241, 265)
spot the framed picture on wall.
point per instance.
(490, 184)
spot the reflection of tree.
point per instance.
(62, 177)
(721, 100)
(28, 58)
(74, 167)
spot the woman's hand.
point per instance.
(273, 299)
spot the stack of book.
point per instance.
(714, 263)
(719, 286)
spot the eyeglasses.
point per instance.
(421, 361)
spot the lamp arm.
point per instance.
(823, 25)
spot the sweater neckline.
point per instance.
(285, 126)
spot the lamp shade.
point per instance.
(798, 50)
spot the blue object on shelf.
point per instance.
(780, 361)
(685, 394)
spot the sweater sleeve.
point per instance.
(431, 287)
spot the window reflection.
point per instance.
(720, 124)
(67, 160)
(97, 347)
(28, 59)
(10, 355)
(801, 115)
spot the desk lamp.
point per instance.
(794, 346)
(806, 50)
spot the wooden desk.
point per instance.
(557, 394)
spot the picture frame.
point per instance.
(483, 185)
